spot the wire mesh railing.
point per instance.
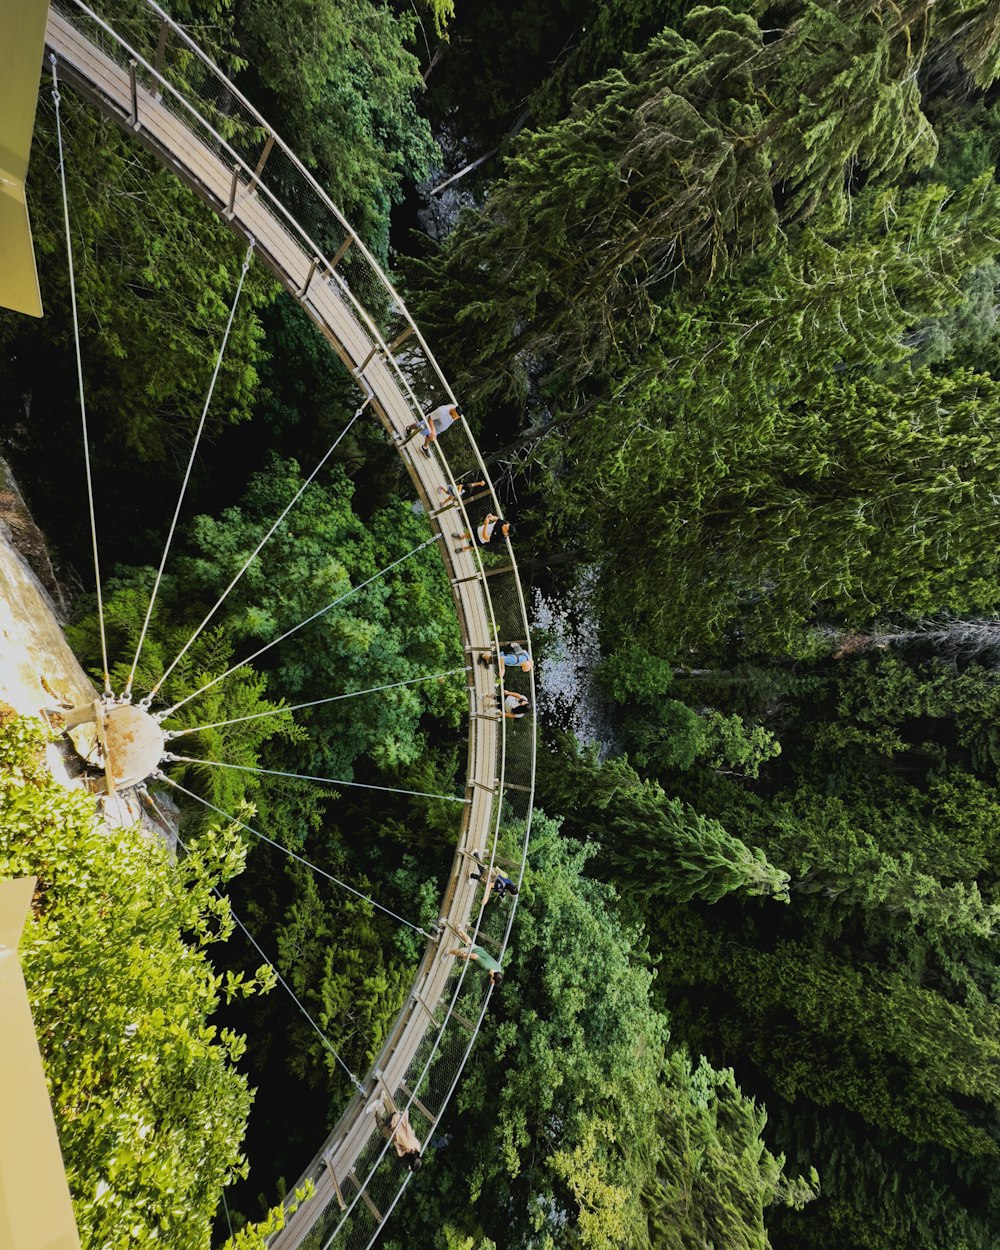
(150, 75)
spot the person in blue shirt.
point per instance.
(513, 655)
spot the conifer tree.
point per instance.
(839, 1030)
(669, 170)
(662, 847)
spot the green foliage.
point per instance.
(633, 672)
(156, 274)
(957, 708)
(305, 405)
(548, 1140)
(874, 865)
(760, 691)
(827, 1026)
(343, 78)
(441, 11)
(842, 84)
(865, 1013)
(149, 1105)
(575, 1132)
(669, 170)
(337, 958)
(784, 465)
(608, 32)
(967, 34)
(665, 734)
(880, 1197)
(967, 334)
(732, 747)
(660, 846)
(495, 58)
(585, 199)
(714, 1176)
(669, 736)
(399, 627)
(672, 737)
(969, 139)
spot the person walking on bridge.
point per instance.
(497, 881)
(480, 956)
(453, 494)
(512, 654)
(491, 529)
(435, 423)
(512, 704)
(394, 1125)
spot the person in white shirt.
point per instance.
(488, 531)
(435, 423)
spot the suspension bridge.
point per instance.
(151, 78)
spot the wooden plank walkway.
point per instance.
(187, 147)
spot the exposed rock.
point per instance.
(19, 525)
(39, 674)
(37, 668)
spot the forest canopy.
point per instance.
(721, 302)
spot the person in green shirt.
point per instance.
(479, 955)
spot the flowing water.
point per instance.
(568, 692)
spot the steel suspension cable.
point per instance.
(190, 465)
(238, 820)
(295, 628)
(330, 781)
(228, 1217)
(256, 551)
(257, 947)
(56, 98)
(294, 997)
(171, 734)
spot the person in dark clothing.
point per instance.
(491, 530)
(496, 882)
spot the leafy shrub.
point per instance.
(149, 1106)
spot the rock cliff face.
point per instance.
(37, 668)
(38, 671)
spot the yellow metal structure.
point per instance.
(35, 1208)
(22, 40)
